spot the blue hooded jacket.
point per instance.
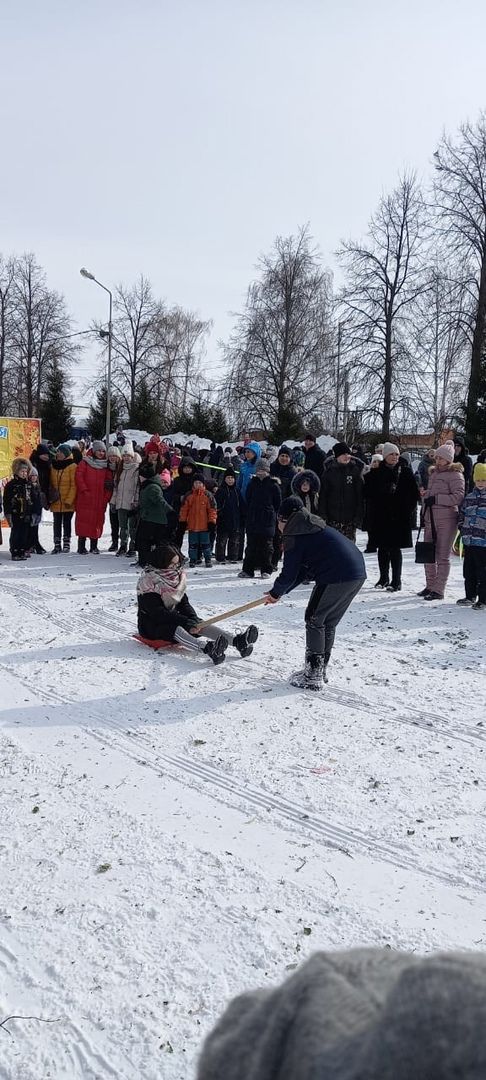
(247, 469)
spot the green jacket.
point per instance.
(152, 505)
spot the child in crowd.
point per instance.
(17, 501)
(262, 502)
(306, 485)
(34, 546)
(472, 526)
(165, 613)
(198, 511)
(156, 518)
(228, 504)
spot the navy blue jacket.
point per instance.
(312, 550)
(262, 502)
(228, 503)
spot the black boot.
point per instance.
(382, 583)
(81, 545)
(312, 677)
(66, 546)
(217, 649)
(113, 546)
(57, 548)
(244, 642)
(93, 547)
(122, 550)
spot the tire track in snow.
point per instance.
(201, 774)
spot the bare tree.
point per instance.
(41, 334)
(460, 193)
(135, 323)
(7, 275)
(439, 344)
(383, 277)
(279, 355)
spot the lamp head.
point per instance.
(85, 273)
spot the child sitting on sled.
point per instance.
(165, 614)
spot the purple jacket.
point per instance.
(447, 487)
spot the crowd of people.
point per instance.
(231, 505)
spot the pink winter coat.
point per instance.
(93, 493)
(447, 487)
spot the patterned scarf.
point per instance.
(169, 584)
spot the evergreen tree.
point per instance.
(97, 414)
(220, 429)
(288, 425)
(55, 410)
(195, 421)
(144, 414)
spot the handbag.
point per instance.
(425, 549)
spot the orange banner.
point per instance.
(18, 438)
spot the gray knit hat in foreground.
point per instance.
(366, 1014)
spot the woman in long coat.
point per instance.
(391, 497)
(444, 495)
(94, 488)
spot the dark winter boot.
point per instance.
(244, 642)
(217, 649)
(39, 550)
(113, 546)
(57, 548)
(66, 547)
(122, 550)
(81, 545)
(313, 675)
(93, 547)
(382, 583)
(131, 551)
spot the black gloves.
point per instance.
(429, 500)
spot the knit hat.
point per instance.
(262, 466)
(115, 451)
(284, 450)
(446, 451)
(64, 449)
(479, 472)
(146, 470)
(43, 450)
(290, 506)
(165, 476)
(376, 457)
(97, 446)
(390, 448)
(152, 447)
(127, 448)
(229, 472)
(308, 437)
(198, 476)
(187, 463)
(20, 463)
(340, 448)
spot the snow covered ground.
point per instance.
(172, 833)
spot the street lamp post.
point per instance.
(86, 274)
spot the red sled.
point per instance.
(155, 643)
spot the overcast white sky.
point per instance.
(179, 137)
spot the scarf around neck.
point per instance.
(96, 463)
(169, 584)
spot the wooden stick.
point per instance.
(233, 611)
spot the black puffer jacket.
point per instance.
(341, 497)
(310, 498)
(285, 474)
(314, 459)
(262, 502)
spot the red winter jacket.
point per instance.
(94, 488)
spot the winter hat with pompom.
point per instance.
(114, 451)
(262, 466)
(128, 448)
(390, 448)
(446, 451)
